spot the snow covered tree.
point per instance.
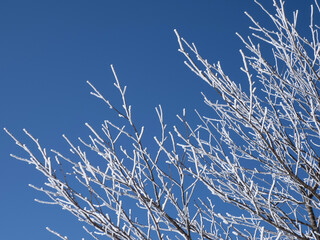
(258, 151)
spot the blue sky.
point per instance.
(48, 49)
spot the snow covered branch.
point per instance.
(259, 155)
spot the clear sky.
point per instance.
(48, 49)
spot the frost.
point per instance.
(256, 150)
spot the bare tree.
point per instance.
(257, 151)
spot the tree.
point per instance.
(257, 151)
